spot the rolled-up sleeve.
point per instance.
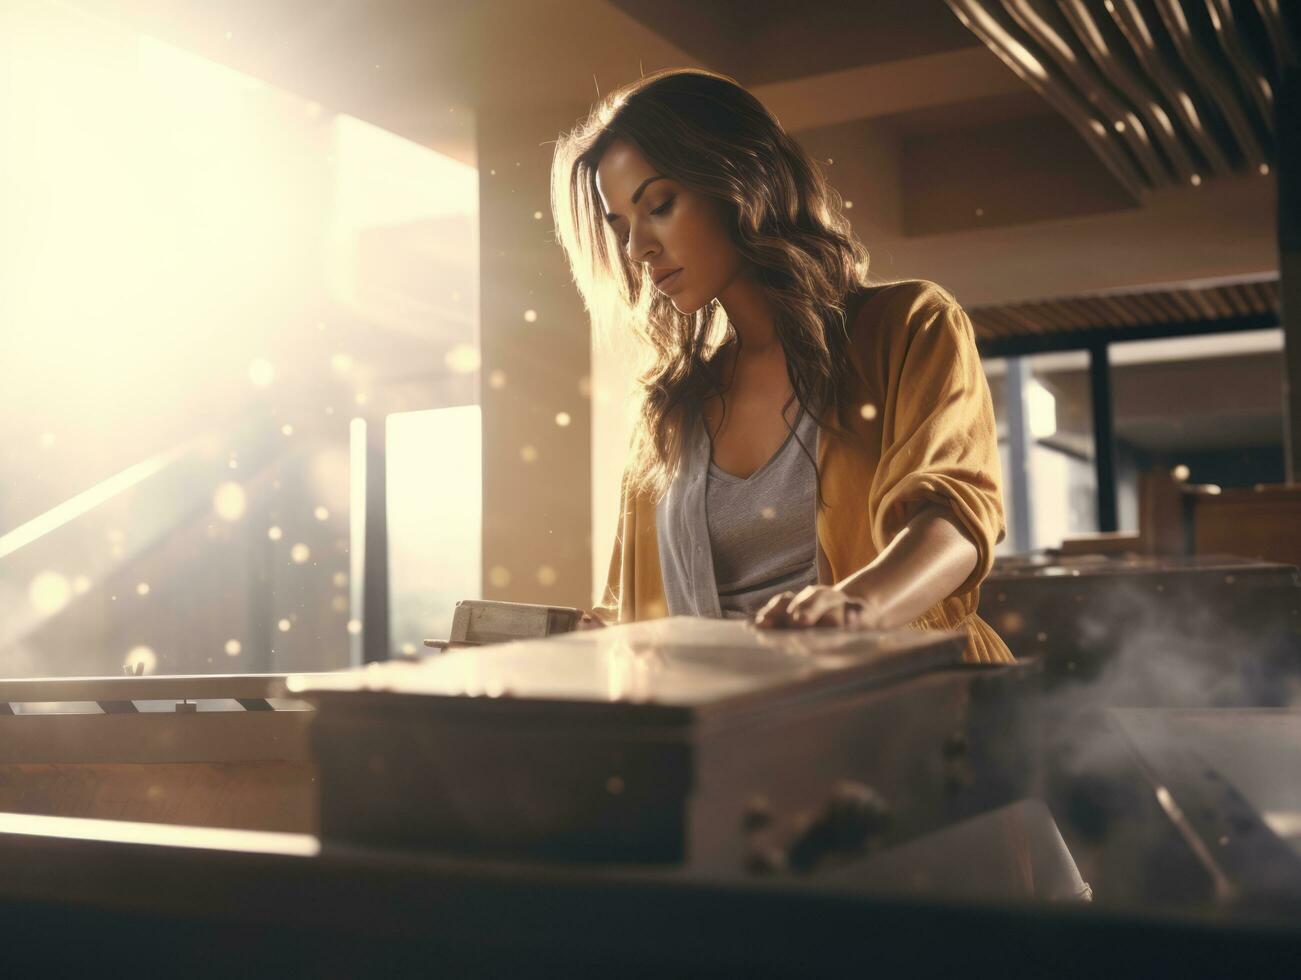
(939, 440)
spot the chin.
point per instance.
(686, 305)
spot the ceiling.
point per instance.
(763, 41)
(977, 143)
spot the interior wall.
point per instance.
(535, 361)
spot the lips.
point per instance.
(661, 278)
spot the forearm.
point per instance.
(923, 565)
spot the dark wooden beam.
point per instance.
(1104, 437)
(1287, 108)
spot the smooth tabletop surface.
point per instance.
(680, 661)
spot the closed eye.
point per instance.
(661, 210)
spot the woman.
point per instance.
(811, 450)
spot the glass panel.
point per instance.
(1210, 404)
(435, 520)
(1061, 482)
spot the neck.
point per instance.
(751, 314)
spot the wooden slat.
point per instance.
(1143, 310)
(1247, 298)
(982, 324)
(1198, 298)
(1121, 316)
(1183, 302)
(1072, 313)
(1218, 302)
(1048, 317)
(1163, 310)
(1096, 313)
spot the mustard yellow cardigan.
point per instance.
(925, 433)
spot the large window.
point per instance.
(206, 286)
(1055, 495)
(1207, 408)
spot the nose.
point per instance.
(642, 247)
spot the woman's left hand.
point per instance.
(815, 605)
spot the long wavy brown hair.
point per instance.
(705, 131)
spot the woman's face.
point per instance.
(667, 227)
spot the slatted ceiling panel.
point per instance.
(1157, 311)
(1068, 315)
(1116, 311)
(1198, 299)
(991, 326)
(1076, 316)
(1057, 316)
(1240, 301)
(1221, 305)
(1043, 318)
(1041, 322)
(1167, 307)
(1226, 296)
(1100, 314)
(1144, 310)
(1022, 323)
(1252, 299)
(1197, 74)
(1183, 303)
(995, 324)
(1233, 300)
(1263, 295)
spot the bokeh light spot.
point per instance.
(563, 419)
(530, 316)
(49, 592)
(274, 533)
(529, 454)
(229, 501)
(462, 359)
(547, 575)
(300, 553)
(233, 648)
(498, 577)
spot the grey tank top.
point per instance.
(776, 545)
(762, 528)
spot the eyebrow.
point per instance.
(636, 195)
